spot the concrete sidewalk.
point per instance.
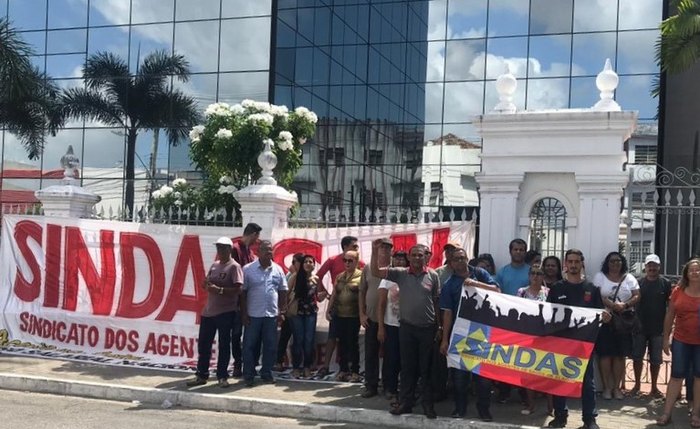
(331, 402)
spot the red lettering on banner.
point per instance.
(189, 256)
(169, 345)
(25, 290)
(290, 246)
(53, 265)
(404, 241)
(156, 289)
(440, 238)
(100, 288)
(121, 340)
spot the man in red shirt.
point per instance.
(242, 253)
(335, 266)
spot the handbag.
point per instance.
(626, 322)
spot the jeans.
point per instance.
(392, 359)
(260, 330)
(236, 332)
(304, 331)
(416, 345)
(460, 381)
(371, 355)
(285, 336)
(685, 360)
(588, 410)
(348, 331)
(208, 327)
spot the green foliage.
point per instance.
(229, 142)
(678, 45)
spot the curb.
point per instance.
(237, 404)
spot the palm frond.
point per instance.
(174, 111)
(81, 103)
(678, 46)
(107, 72)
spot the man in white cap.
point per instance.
(223, 286)
(655, 292)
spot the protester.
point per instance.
(654, 292)
(536, 291)
(510, 278)
(388, 328)
(263, 306)
(368, 300)
(619, 291)
(491, 267)
(242, 253)
(683, 315)
(450, 297)
(420, 325)
(223, 287)
(286, 328)
(445, 271)
(302, 288)
(333, 265)
(577, 292)
(344, 308)
(551, 265)
(533, 257)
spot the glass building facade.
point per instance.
(394, 83)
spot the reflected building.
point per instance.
(385, 77)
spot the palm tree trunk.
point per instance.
(130, 155)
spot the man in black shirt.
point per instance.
(576, 291)
(655, 292)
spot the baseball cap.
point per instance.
(452, 244)
(388, 242)
(652, 258)
(224, 241)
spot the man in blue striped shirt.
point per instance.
(263, 307)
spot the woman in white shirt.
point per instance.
(612, 347)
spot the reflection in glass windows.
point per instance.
(466, 59)
(549, 56)
(245, 44)
(550, 17)
(201, 41)
(590, 51)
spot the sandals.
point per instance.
(695, 421)
(664, 420)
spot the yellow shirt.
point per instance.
(347, 290)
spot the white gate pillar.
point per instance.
(574, 155)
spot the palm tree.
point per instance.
(678, 45)
(145, 100)
(28, 98)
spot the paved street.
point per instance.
(40, 411)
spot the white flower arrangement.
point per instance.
(227, 189)
(218, 109)
(225, 180)
(285, 145)
(179, 182)
(223, 133)
(196, 133)
(285, 135)
(306, 114)
(166, 190)
(261, 117)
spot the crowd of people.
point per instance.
(408, 310)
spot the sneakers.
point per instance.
(322, 372)
(355, 378)
(196, 381)
(237, 372)
(223, 383)
(558, 422)
(590, 425)
(249, 382)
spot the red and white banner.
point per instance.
(125, 292)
